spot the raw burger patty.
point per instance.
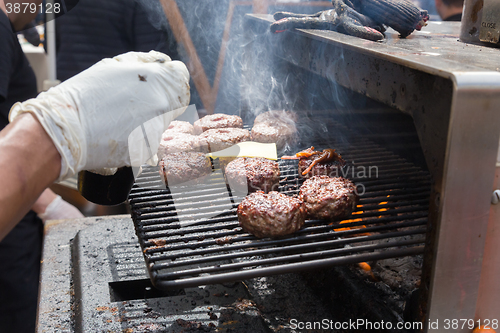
(252, 174)
(328, 198)
(223, 138)
(180, 142)
(218, 120)
(178, 126)
(276, 116)
(271, 215)
(282, 135)
(176, 168)
(275, 127)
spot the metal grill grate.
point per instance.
(210, 247)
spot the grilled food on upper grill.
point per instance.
(328, 198)
(217, 120)
(271, 215)
(249, 174)
(360, 18)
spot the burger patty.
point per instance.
(276, 116)
(223, 138)
(271, 215)
(282, 135)
(173, 142)
(275, 127)
(218, 120)
(178, 126)
(181, 167)
(330, 169)
(328, 198)
(250, 174)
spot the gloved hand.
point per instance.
(59, 209)
(360, 18)
(90, 116)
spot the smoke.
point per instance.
(155, 13)
(252, 78)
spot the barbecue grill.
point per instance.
(209, 247)
(410, 117)
(451, 91)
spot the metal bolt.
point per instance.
(495, 197)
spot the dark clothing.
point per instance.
(456, 17)
(96, 29)
(20, 250)
(17, 79)
(20, 255)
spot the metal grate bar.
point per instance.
(293, 248)
(289, 259)
(284, 269)
(303, 235)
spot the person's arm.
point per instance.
(94, 120)
(29, 162)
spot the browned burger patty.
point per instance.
(271, 215)
(330, 169)
(182, 167)
(275, 127)
(178, 126)
(181, 142)
(328, 198)
(217, 120)
(252, 174)
(223, 138)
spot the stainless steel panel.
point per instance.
(488, 303)
(452, 91)
(464, 203)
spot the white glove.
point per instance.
(59, 209)
(90, 116)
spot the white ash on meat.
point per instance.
(328, 198)
(250, 174)
(222, 138)
(217, 120)
(271, 215)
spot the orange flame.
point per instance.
(359, 219)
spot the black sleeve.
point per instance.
(6, 53)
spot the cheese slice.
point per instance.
(248, 149)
